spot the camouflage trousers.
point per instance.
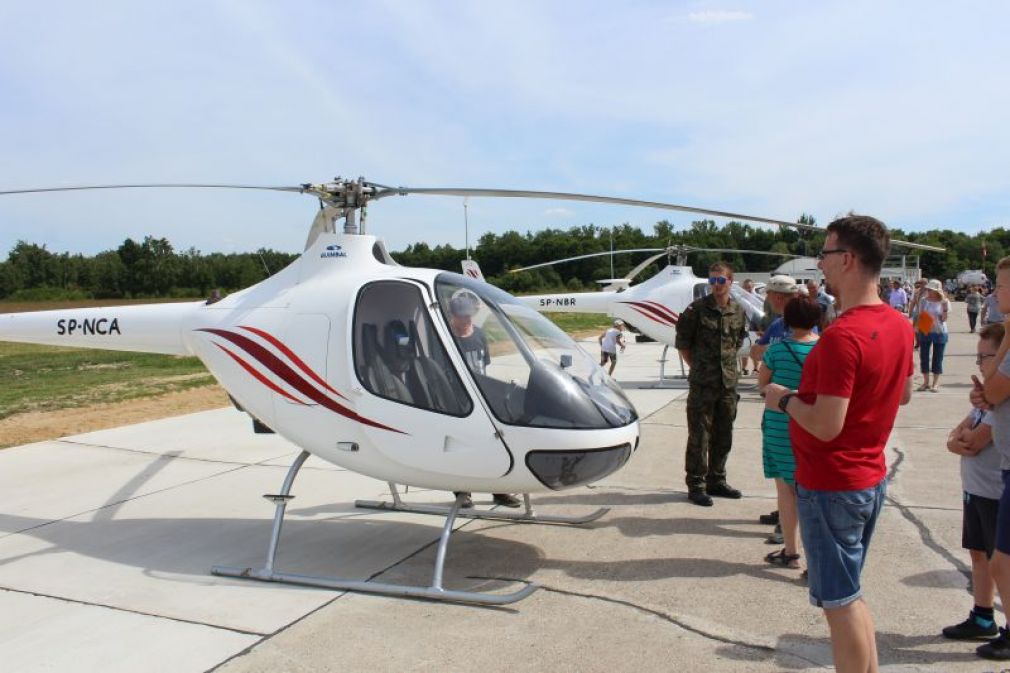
(711, 411)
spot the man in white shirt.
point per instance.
(898, 299)
(609, 342)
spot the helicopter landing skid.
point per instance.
(434, 592)
(528, 515)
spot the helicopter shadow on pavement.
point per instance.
(349, 548)
(655, 383)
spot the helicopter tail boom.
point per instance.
(147, 328)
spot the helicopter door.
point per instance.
(411, 383)
(307, 336)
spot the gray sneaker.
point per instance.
(776, 536)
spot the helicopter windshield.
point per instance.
(529, 371)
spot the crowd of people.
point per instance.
(833, 373)
(831, 398)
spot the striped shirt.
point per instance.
(786, 369)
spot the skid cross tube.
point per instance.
(434, 592)
(528, 515)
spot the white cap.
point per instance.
(783, 284)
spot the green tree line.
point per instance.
(153, 268)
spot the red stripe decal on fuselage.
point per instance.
(291, 356)
(652, 318)
(291, 377)
(664, 310)
(649, 312)
(259, 377)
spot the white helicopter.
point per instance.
(370, 365)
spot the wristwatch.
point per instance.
(784, 402)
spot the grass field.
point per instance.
(46, 378)
(580, 323)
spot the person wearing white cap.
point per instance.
(779, 290)
(931, 325)
(609, 343)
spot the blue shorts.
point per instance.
(1003, 518)
(836, 527)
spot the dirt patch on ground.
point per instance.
(38, 426)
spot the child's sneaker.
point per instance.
(997, 648)
(971, 628)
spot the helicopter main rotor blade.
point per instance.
(297, 190)
(644, 265)
(382, 191)
(673, 249)
(745, 252)
(587, 256)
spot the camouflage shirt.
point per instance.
(713, 335)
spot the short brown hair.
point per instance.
(865, 237)
(802, 312)
(725, 267)
(1003, 264)
(993, 332)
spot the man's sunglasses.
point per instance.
(824, 253)
(721, 280)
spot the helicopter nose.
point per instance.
(559, 470)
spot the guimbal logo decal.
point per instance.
(333, 251)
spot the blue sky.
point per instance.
(770, 108)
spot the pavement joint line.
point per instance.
(925, 534)
(176, 457)
(141, 613)
(342, 594)
(238, 466)
(665, 616)
(121, 501)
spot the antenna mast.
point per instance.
(466, 226)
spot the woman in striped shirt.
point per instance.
(783, 364)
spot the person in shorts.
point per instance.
(840, 419)
(610, 341)
(783, 364)
(982, 486)
(994, 395)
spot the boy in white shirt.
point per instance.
(982, 486)
(609, 342)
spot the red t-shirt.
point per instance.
(865, 356)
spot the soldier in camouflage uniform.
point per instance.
(709, 334)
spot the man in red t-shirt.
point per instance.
(852, 384)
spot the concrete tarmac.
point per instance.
(107, 539)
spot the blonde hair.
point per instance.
(1003, 264)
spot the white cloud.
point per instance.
(713, 16)
(563, 213)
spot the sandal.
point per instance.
(783, 560)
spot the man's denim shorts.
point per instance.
(1003, 517)
(836, 527)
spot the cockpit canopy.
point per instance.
(529, 371)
